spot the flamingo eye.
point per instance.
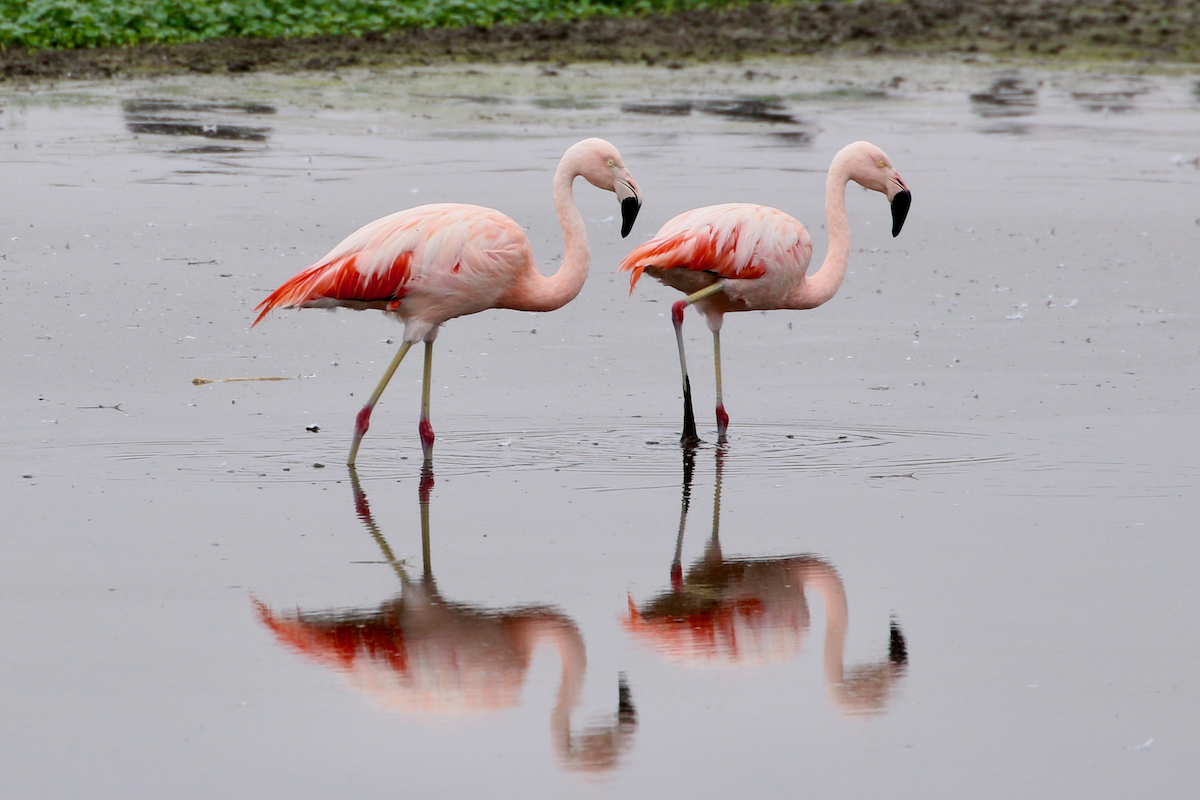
(881, 163)
(612, 163)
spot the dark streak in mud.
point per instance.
(214, 149)
(793, 138)
(678, 109)
(855, 93)
(175, 127)
(1008, 96)
(478, 99)
(142, 117)
(159, 106)
(751, 109)
(1147, 30)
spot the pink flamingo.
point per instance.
(436, 262)
(745, 257)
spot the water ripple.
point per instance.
(638, 448)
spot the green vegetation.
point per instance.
(98, 23)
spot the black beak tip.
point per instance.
(900, 204)
(630, 207)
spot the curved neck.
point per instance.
(824, 579)
(597, 746)
(821, 286)
(568, 641)
(539, 293)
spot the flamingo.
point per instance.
(432, 263)
(746, 257)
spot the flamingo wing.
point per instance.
(734, 240)
(378, 265)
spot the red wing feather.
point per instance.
(712, 244)
(340, 279)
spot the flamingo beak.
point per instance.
(900, 204)
(631, 204)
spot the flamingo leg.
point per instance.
(689, 438)
(722, 417)
(425, 428)
(364, 416)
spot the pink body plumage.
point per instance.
(426, 265)
(763, 250)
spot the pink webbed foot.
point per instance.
(426, 485)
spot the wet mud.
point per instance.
(1146, 30)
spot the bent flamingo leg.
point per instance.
(364, 416)
(722, 417)
(425, 427)
(689, 437)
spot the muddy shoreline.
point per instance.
(1152, 31)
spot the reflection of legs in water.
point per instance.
(749, 610)
(423, 493)
(488, 646)
(689, 467)
(362, 509)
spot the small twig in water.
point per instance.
(117, 407)
(912, 475)
(202, 381)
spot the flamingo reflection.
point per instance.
(419, 652)
(740, 611)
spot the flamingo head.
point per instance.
(870, 167)
(601, 164)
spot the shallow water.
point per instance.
(985, 446)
